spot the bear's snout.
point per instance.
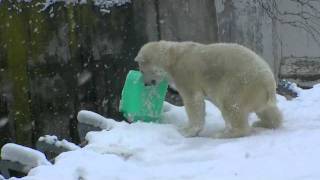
(150, 83)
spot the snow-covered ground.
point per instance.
(157, 151)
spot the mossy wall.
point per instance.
(60, 60)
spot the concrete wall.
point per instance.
(286, 35)
(184, 20)
(188, 20)
(299, 39)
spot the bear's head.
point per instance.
(152, 60)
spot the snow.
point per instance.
(3, 121)
(24, 155)
(96, 120)
(49, 139)
(104, 5)
(63, 143)
(84, 77)
(141, 151)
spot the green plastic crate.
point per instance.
(142, 103)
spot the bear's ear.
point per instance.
(139, 59)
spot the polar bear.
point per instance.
(232, 77)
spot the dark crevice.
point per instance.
(305, 78)
(156, 4)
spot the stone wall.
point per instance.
(303, 70)
(286, 33)
(61, 60)
(188, 20)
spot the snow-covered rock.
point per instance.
(96, 120)
(24, 155)
(53, 140)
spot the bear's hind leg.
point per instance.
(236, 123)
(195, 108)
(270, 117)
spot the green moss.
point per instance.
(73, 43)
(39, 32)
(17, 52)
(33, 42)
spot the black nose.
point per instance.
(151, 83)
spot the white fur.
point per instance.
(231, 76)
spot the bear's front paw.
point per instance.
(265, 124)
(190, 131)
(235, 133)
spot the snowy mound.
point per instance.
(96, 120)
(158, 151)
(53, 140)
(24, 155)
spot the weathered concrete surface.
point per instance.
(244, 22)
(185, 20)
(145, 19)
(188, 20)
(304, 70)
(76, 58)
(276, 30)
(299, 41)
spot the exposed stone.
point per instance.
(305, 71)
